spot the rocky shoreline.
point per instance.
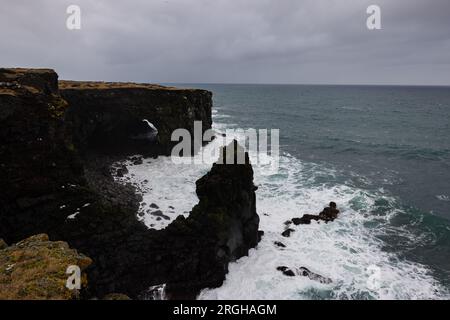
(59, 140)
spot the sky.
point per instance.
(231, 41)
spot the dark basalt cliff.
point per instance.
(54, 181)
(107, 115)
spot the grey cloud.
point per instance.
(258, 41)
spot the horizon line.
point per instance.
(308, 84)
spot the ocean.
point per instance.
(382, 153)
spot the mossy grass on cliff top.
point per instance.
(14, 72)
(101, 85)
(35, 268)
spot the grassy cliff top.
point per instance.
(100, 85)
(35, 268)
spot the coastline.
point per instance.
(83, 205)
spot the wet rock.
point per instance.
(279, 244)
(260, 235)
(287, 233)
(286, 271)
(159, 213)
(305, 272)
(327, 214)
(314, 276)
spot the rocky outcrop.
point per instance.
(225, 222)
(35, 268)
(110, 116)
(328, 214)
(55, 182)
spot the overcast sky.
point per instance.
(231, 41)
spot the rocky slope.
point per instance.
(57, 181)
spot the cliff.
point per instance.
(38, 162)
(57, 181)
(109, 116)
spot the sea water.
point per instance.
(381, 153)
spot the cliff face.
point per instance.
(56, 183)
(109, 116)
(37, 158)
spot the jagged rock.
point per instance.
(287, 233)
(35, 268)
(226, 222)
(279, 244)
(328, 214)
(286, 271)
(313, 276)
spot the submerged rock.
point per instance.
(35, 268)
(286, 271)
(279, 244)
(305, 272)
(314, 276)
(287, 233)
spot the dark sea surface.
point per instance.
(388, 140)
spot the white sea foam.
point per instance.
(443, 197)
(343, 250)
